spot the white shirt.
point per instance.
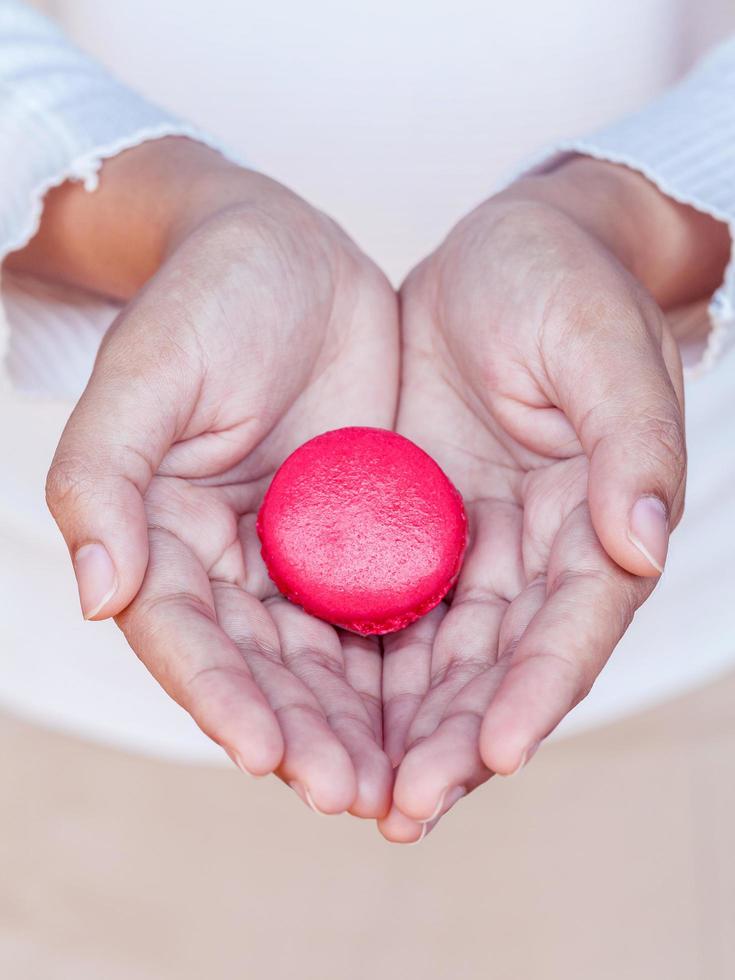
(395, 119)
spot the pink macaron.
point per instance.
(362, 528)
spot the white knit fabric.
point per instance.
(61, 116)
(684, 142)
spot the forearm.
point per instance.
(112, 240)
(149, 198)
(676, 251)
(66, 123)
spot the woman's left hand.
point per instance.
(543, 378)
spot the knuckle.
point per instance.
(148, 623)
(584, 686)
(669, 434)
(579, 671)
(664, 441)
(67, 483)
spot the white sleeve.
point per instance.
(684, 142)
(61, 115)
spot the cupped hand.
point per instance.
(263, 326)
(542, 377)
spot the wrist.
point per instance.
(114, 239)
(677, 252)
(218, 190)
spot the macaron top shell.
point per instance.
(362, 528)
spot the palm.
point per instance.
(260, 676)
(538, 605)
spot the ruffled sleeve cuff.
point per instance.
(684, 143)
(61, 116)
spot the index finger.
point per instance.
(590, 602)
(172, 627)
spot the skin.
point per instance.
(535, 365)
(261, 326)
(544, 379)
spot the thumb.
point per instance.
(627, 406)
(109, 451)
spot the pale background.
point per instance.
(611, 856)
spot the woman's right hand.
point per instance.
(264, 326)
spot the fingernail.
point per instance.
(96, 578)
(527, 756)
(305, 795)
(241, 765)
(649, 530)
(424, 831)
(446, 801)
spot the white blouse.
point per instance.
(395, 121)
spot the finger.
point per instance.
(406, 678)
(313, 653)
(314, 762)
(443, 761)
(113, 443)
(620, 396)
(397, 828)
(446, 764)
(465, 645)
(589, 605)
(466, 641)
(444, 767)
(171, 626)
(362, 671)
